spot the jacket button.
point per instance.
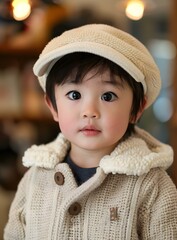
(59, 178)
(74, 209)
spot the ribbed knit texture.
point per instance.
(145, 204)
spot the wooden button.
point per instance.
(59, 178)
(74, 209)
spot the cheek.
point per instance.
(118, 126)
(64, 122)
(65, 119)
(117, 122)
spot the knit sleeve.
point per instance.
(15, 228)
(158, 214)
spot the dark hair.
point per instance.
(74, 66)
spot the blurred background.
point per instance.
(27, 25)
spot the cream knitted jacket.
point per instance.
(130, 196)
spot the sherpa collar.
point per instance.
(135, 156)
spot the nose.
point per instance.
(90, 112)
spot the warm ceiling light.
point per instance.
(135, 9)
(21, 9)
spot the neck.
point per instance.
(87, 158)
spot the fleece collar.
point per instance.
(135, 156)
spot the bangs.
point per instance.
(79, 65)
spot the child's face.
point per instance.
(94, 114)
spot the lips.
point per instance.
(90, 131)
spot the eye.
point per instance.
(73, 95)
(109, 97)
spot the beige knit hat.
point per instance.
(108, 42)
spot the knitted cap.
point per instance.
(108, 42)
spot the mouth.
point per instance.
(90, 131)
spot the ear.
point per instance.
(140, 112)
(51, 108)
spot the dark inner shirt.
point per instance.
(81, 174)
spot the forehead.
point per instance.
(73, 68)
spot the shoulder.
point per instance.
(158, 177)
(137, 155)
(158, 188)
(46, 155)
(157, 206)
